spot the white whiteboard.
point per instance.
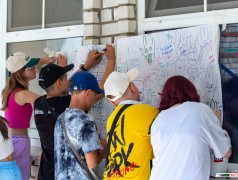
(190, 52)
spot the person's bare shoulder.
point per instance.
(24, 96)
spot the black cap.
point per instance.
(51, 72)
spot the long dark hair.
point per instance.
(3, 128)
(178, 89)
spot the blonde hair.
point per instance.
(17, 79)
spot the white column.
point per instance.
(140, 16)
(205, 5)
(3, 45)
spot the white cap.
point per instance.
(117, 83)
(19, 60)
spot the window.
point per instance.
(22, 15)
(37, 14)
(221, 4)
(30, 25)
(62, 12)
(171, 14)
(174, 7)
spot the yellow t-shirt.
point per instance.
(131, 150)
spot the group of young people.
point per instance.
(143, 142)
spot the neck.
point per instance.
(126, 99)
(75, 103)
(175, 105)
(54, 94)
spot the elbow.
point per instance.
(93, 159)
(228, 154)
(92, 165)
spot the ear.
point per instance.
(87, 92)
(58, 84)
(132, 87)
(114, 104)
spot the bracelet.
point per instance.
(82, 67)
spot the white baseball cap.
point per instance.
(19, 60)
(117, 83)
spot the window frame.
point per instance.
(190, 9)
(226, 16)
(154, 13)
(28, 35)
(42, 25)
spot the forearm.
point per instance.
(109, 69)
(228, 154)
(87, 65)
(94, 158)
(101, 154)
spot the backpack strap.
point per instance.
(45, 107)
(75, 151)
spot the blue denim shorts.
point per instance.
(10, 171)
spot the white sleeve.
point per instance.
(218, 138)
(6, 146)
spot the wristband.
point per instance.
(82, 67)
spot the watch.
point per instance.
(82, 67)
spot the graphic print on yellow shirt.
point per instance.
(130, 149)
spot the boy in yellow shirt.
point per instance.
(129, 151)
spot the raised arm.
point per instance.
(24, 96)
(110, 54)
(46, 60)
(94, 57)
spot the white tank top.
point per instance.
(6, 146)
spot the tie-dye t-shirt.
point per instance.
(81, 130)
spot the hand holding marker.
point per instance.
(51, 54)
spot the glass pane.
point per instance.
(24, 14)
(171, 4)
(62, 12)
(35, 48)
(172, 7)
(229, 59)
(221, 4)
